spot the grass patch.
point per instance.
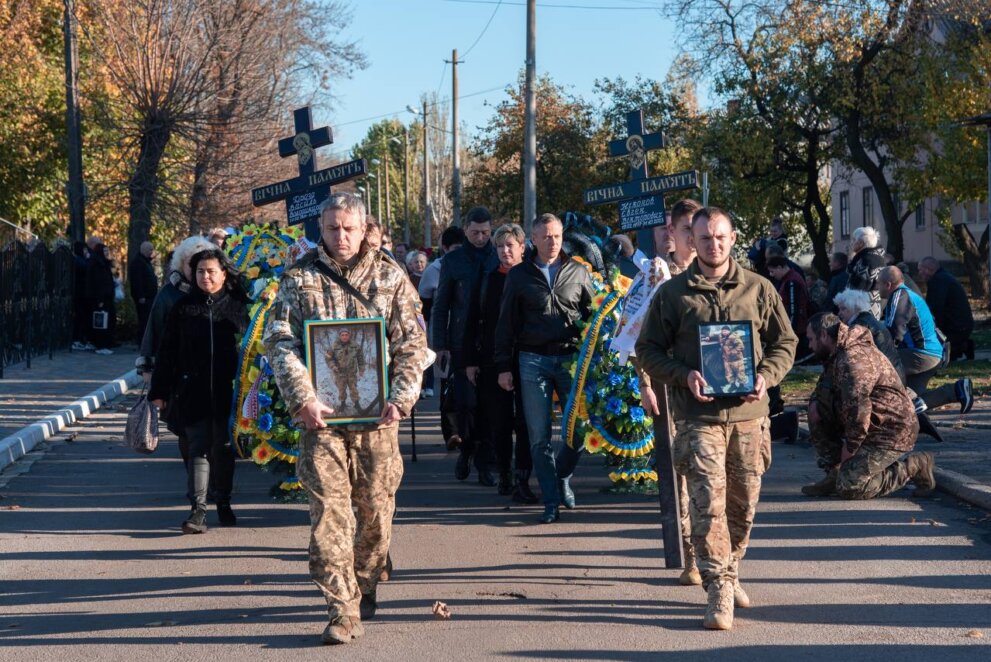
(982, 337)
(797, 386)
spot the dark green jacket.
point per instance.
(668, 347)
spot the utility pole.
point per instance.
(378, 197)
(75, 188)
(388, 205)
(427, 221)
(406, 184)
(456, 166)
(530, 127)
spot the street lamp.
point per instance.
(427, 222)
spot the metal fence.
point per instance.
(36, 292)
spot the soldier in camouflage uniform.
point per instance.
(350, 472)
(733, 364)
(723, 444)
(344, 360)
(861, 419)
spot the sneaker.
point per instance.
(196, 522)
(105, 352)
(719, 613)
(567, 495)
(368, 606)
(79, 346)
(965, 394)
(342, 629)
(920, 405)
(427, 393)
(740, 597)
(226, 515)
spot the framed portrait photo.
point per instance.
(727, 358)
(346, 362)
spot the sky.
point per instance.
(407, 41)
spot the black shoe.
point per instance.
(486, 478)
(505, 483)
(969, 349)
(226, 515)
(926, 427)
(965, 394)
(523, 494)
(567, 496)
(196, 522)
(462, 468)
(368, 606)
(551, 514)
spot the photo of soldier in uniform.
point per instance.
(727, 352)
(345, 359)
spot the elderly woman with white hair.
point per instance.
(855, 310)
(866, 262)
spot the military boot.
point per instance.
(368, 606)
(196, 522)
(387, 570)
(825, 487)
(690, 576)
(719, 614)
(920, 467)
(342, 629)
(740, 597)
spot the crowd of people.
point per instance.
(502, 312)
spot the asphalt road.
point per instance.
(93, 567)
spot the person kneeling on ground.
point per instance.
(861, 419)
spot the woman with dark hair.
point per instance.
(193, 379)
(100, 290)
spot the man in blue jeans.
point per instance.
(544, 299)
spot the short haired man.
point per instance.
(757, 253)
(350, 473)
(911, 324)
(722, 444)
(861, 419)
(950, 307)
(544, 299)
(461, 277)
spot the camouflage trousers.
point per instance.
(825, 435)
(735, 372)
(723, 464)
(347, 385)
(872, 473)
(686, 521)
(351, 478)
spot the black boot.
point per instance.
(462, 468)
(505, 483)
(226, 515)
(485, 478)
(196, 522)
(522, 492)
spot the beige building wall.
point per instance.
(855, 204)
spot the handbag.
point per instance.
(141, 433)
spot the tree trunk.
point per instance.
(878, 179)
(143, 186)
(975, 260)
(818, 231)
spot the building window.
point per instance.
(868, 206)
(845, 214)
(920, 217)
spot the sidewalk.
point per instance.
(37, 402)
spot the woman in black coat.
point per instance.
(100, 290)
(193, 379)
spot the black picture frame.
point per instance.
(727, 359)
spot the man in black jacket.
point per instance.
(838, 278)
(144, 284)
(949, 305)
(461, 276)
(544, 299)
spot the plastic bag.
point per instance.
(118, 291)
(141, 433)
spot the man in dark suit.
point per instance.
(948, 303)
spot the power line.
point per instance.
(557, 6)
(484, 30)
(435, 103)
(443, 73)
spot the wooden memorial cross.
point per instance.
(304, 194)
(641, 207)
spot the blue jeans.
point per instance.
(540, 377)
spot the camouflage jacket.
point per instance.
(732, 348)
(306, 294)
(344, 358)
(869, 400)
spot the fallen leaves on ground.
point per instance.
(441, 612)
(975, 634)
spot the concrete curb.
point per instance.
(22, 442)
(964, 488)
